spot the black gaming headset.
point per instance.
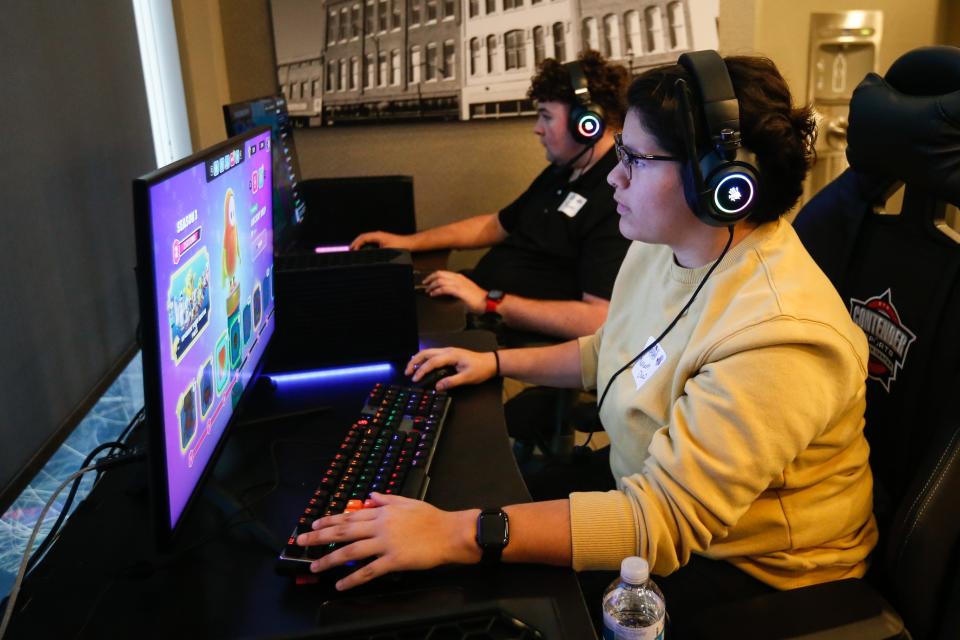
(585, 123)
(721, 183)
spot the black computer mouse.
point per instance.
(369, 245)
(430, 380)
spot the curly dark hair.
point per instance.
(607, 83)
(780, 134)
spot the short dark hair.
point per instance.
(607, 83)
(781, 135)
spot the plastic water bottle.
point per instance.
(633, 606)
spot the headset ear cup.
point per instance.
(586, 124)
(731, 188)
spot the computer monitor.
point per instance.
(205, 276)
(289, 209)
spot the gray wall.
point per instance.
(77, 132)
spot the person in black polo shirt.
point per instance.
(557, 248)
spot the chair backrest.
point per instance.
(900, 277)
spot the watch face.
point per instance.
(492, 530)
(494, 294)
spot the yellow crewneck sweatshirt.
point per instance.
(740, 437)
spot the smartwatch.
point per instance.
(493, 534)
(494, 298)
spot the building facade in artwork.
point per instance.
(472, 59)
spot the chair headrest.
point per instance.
(906, 126)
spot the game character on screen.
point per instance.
(229, 263)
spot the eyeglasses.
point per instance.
(628, 158)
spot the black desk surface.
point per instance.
(104, 578)
(445, 313)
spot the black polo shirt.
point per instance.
(564, 238)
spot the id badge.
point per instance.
(572, 204)
(646, 366)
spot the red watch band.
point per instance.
(492, 305)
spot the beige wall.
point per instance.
(951, 23)
(780, 29)
(204, 69)
(248, 49)
(218, 70)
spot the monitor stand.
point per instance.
(253, 529)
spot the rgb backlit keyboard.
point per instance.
(389, 449)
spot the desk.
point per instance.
(102, 579)
(444, 314)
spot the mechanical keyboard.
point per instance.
(389, 449)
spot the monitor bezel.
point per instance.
(165, 533)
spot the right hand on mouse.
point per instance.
(472, 367)
(383, 239)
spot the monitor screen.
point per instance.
(205, 255)
(288, 207)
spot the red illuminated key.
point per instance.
(353, 505)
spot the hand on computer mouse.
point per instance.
(459, 286)
(470, 367)
(381, 239)
(430, 379)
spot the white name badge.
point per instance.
(572, 204)
(646, 366)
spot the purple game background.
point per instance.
(171, 201)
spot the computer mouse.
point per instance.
(430, 380)
(369, 245)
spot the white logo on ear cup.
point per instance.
(727, 196)
(588, 126)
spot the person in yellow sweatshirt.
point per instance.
(736, 441)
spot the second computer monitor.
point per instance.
(289, 209)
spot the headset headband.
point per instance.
(581, 89)
(721, 111)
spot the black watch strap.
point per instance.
(493, 534)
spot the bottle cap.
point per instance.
(634, 570)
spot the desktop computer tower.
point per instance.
(340, 209)
(343, 308)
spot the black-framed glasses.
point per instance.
(627, 158)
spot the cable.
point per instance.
(566, 166)
(14, 591)
(105, 463)
(65, 509)
(586, 443)
(135, 420)
(672, 322)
